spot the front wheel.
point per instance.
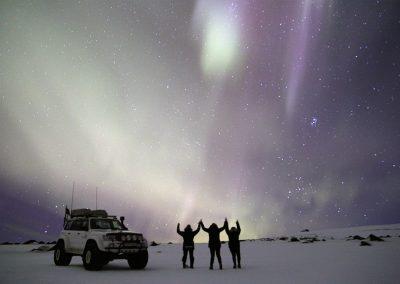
(138, 260)
(61, 258)
(92, 259)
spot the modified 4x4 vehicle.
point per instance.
(99, 238)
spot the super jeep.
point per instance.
(99, 238)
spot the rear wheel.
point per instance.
(61, 258)
(138, 260)
(92, 258)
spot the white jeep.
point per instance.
(99, 238)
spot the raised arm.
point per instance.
(204, 228)
(226, 226)
(238, 226)
(197, 230)
(178, 230)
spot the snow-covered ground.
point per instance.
(332, 261)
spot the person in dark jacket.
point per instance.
(214, 243)
(188, 244)
(234, 243)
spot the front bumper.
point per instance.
(120, 248)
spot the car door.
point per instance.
(81, 235)
(73, 236)
(66, 236)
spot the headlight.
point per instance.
(134, 238)
(123, 238)
(128, 238)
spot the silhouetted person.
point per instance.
(234, 243)
(214, 242)
(188, 243)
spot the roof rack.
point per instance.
(88, 213)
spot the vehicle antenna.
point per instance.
(96, 197)
(72, 198)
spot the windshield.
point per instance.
(105, 224)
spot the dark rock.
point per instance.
(294, 239)
(357, 237)
(51, 243)
(267, 239)
(41, 243)
(30, 242)
(323, 240)
(283, 238)
(364, 243)
(153, 244)
(6, 243)
(388, 236)
(305, 230)
(170, 243)
(374, 238)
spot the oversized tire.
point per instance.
(138, 260)
(92, 257)
(61, 258)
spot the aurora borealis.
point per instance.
(282, 114)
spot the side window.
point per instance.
(79, 225)
(84, 225)
(68, 225)
(74, 225)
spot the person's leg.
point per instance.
(212, 252)
(218, 251)
(191, 257)
(232, 250)
(238, 256)
(185, 251)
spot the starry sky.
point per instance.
(283, 114)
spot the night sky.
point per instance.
(282, 114)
